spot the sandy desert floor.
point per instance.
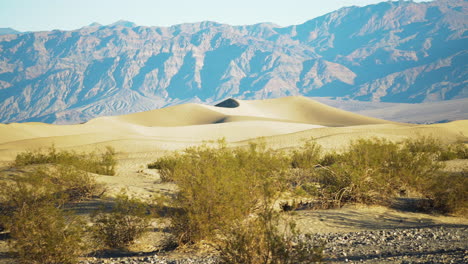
(281, 123)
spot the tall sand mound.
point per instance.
(294, 109)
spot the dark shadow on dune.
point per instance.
(229, 103)
(221, 120)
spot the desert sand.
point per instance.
(283, 123)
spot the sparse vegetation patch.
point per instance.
(127, 221)
(376, 171)
(99, 163)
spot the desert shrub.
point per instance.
(107, 162)
(330, 158)
(33, 192)
(362, 174)
(447, 194)
(458, 150)
(44, 187)
(377, 169)
(63, 183)
(370, 171)
(440, 152)
(100, 163)
(45, 234)
(260, 240)
(31, 205)
(218, 186)
(307, 156)
(127, 221)
(40, 231)
(424, 144)
(166, 166)
(298, 179)
(74, 184)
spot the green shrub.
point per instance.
(31, 209)
(31, 204)
(259, 240)
(45, 234)
(127, 221)
(34, 191)
(40, 231)
(107, 162)
(62, 183)
(377, 169)
(441, 152)
(74, 184)
(102, 163)
(166, 166)
(307, 156)
(370, 171)
(330, 158)
(457, 150)
(424, 144)
(218, 186)
(447, 193)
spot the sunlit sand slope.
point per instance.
(283, 122)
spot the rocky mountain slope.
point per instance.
(390, 52)
(7, 31)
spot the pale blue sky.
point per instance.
(36, 15)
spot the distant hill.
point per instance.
(8, 31)
(400, 52)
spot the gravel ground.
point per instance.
(416, 245)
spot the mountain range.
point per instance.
(398, 52)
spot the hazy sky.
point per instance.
(36, 15)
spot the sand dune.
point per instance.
(288, 109)
(283, 122)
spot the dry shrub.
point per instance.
(61, 184)
(127, 221)
(260, 240)
(40, 231)
(378, 170)
(370, 171)
(31, 205)
(227, 196)
(441, 152)
(55, 186)
(447, 194)
(307, 156)
(166, 166)
(218, 186)
(45, 234)
(100, 163)
(424, 144)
